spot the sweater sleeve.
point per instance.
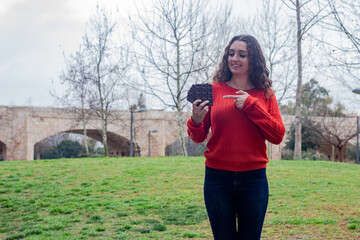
(199, 132)
(269, 121)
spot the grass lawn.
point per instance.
(161, 198)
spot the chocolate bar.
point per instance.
(202, 92)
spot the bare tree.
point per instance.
(341, 42)
(335, 131)
(276, 34)
(346, 14)
(314, 14)
(95, 73)
(76, 96)
(108, 63)
(174, 49)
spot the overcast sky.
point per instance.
(33, 36)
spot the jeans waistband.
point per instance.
(226, 174)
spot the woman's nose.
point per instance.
(236, 57)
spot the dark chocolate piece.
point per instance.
(202, 92)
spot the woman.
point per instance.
(244, 114)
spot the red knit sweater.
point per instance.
(237, 141)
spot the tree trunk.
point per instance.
(86, 141)
(102, 108)
(104, 137)
(297, 150)
(103, 124)
(340, 154)
(181, 133)
(85, 133)
(178, 99)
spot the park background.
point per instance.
(151, 60)
(124, 198)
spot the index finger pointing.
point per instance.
(231, 96)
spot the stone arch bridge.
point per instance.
(22, 127)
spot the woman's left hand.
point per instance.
(239, 99)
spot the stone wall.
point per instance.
(22, 127)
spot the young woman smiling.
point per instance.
(244, 114)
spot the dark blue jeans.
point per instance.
(236, 203)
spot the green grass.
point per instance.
(161, 198)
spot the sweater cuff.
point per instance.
(249, 103)
(192, 124)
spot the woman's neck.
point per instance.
(241, 83)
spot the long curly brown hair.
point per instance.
(258, 72)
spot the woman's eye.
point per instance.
(231, 54)
(242, 56)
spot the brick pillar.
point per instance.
(19, 147)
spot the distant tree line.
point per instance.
(326, 131)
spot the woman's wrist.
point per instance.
(192, 119)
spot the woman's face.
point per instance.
(238, 59)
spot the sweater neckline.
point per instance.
(239, 89)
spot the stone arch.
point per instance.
(30, 125)
(2, 151)
(119, 145)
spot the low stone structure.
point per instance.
(22, 127)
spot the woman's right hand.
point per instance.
(199, 112)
